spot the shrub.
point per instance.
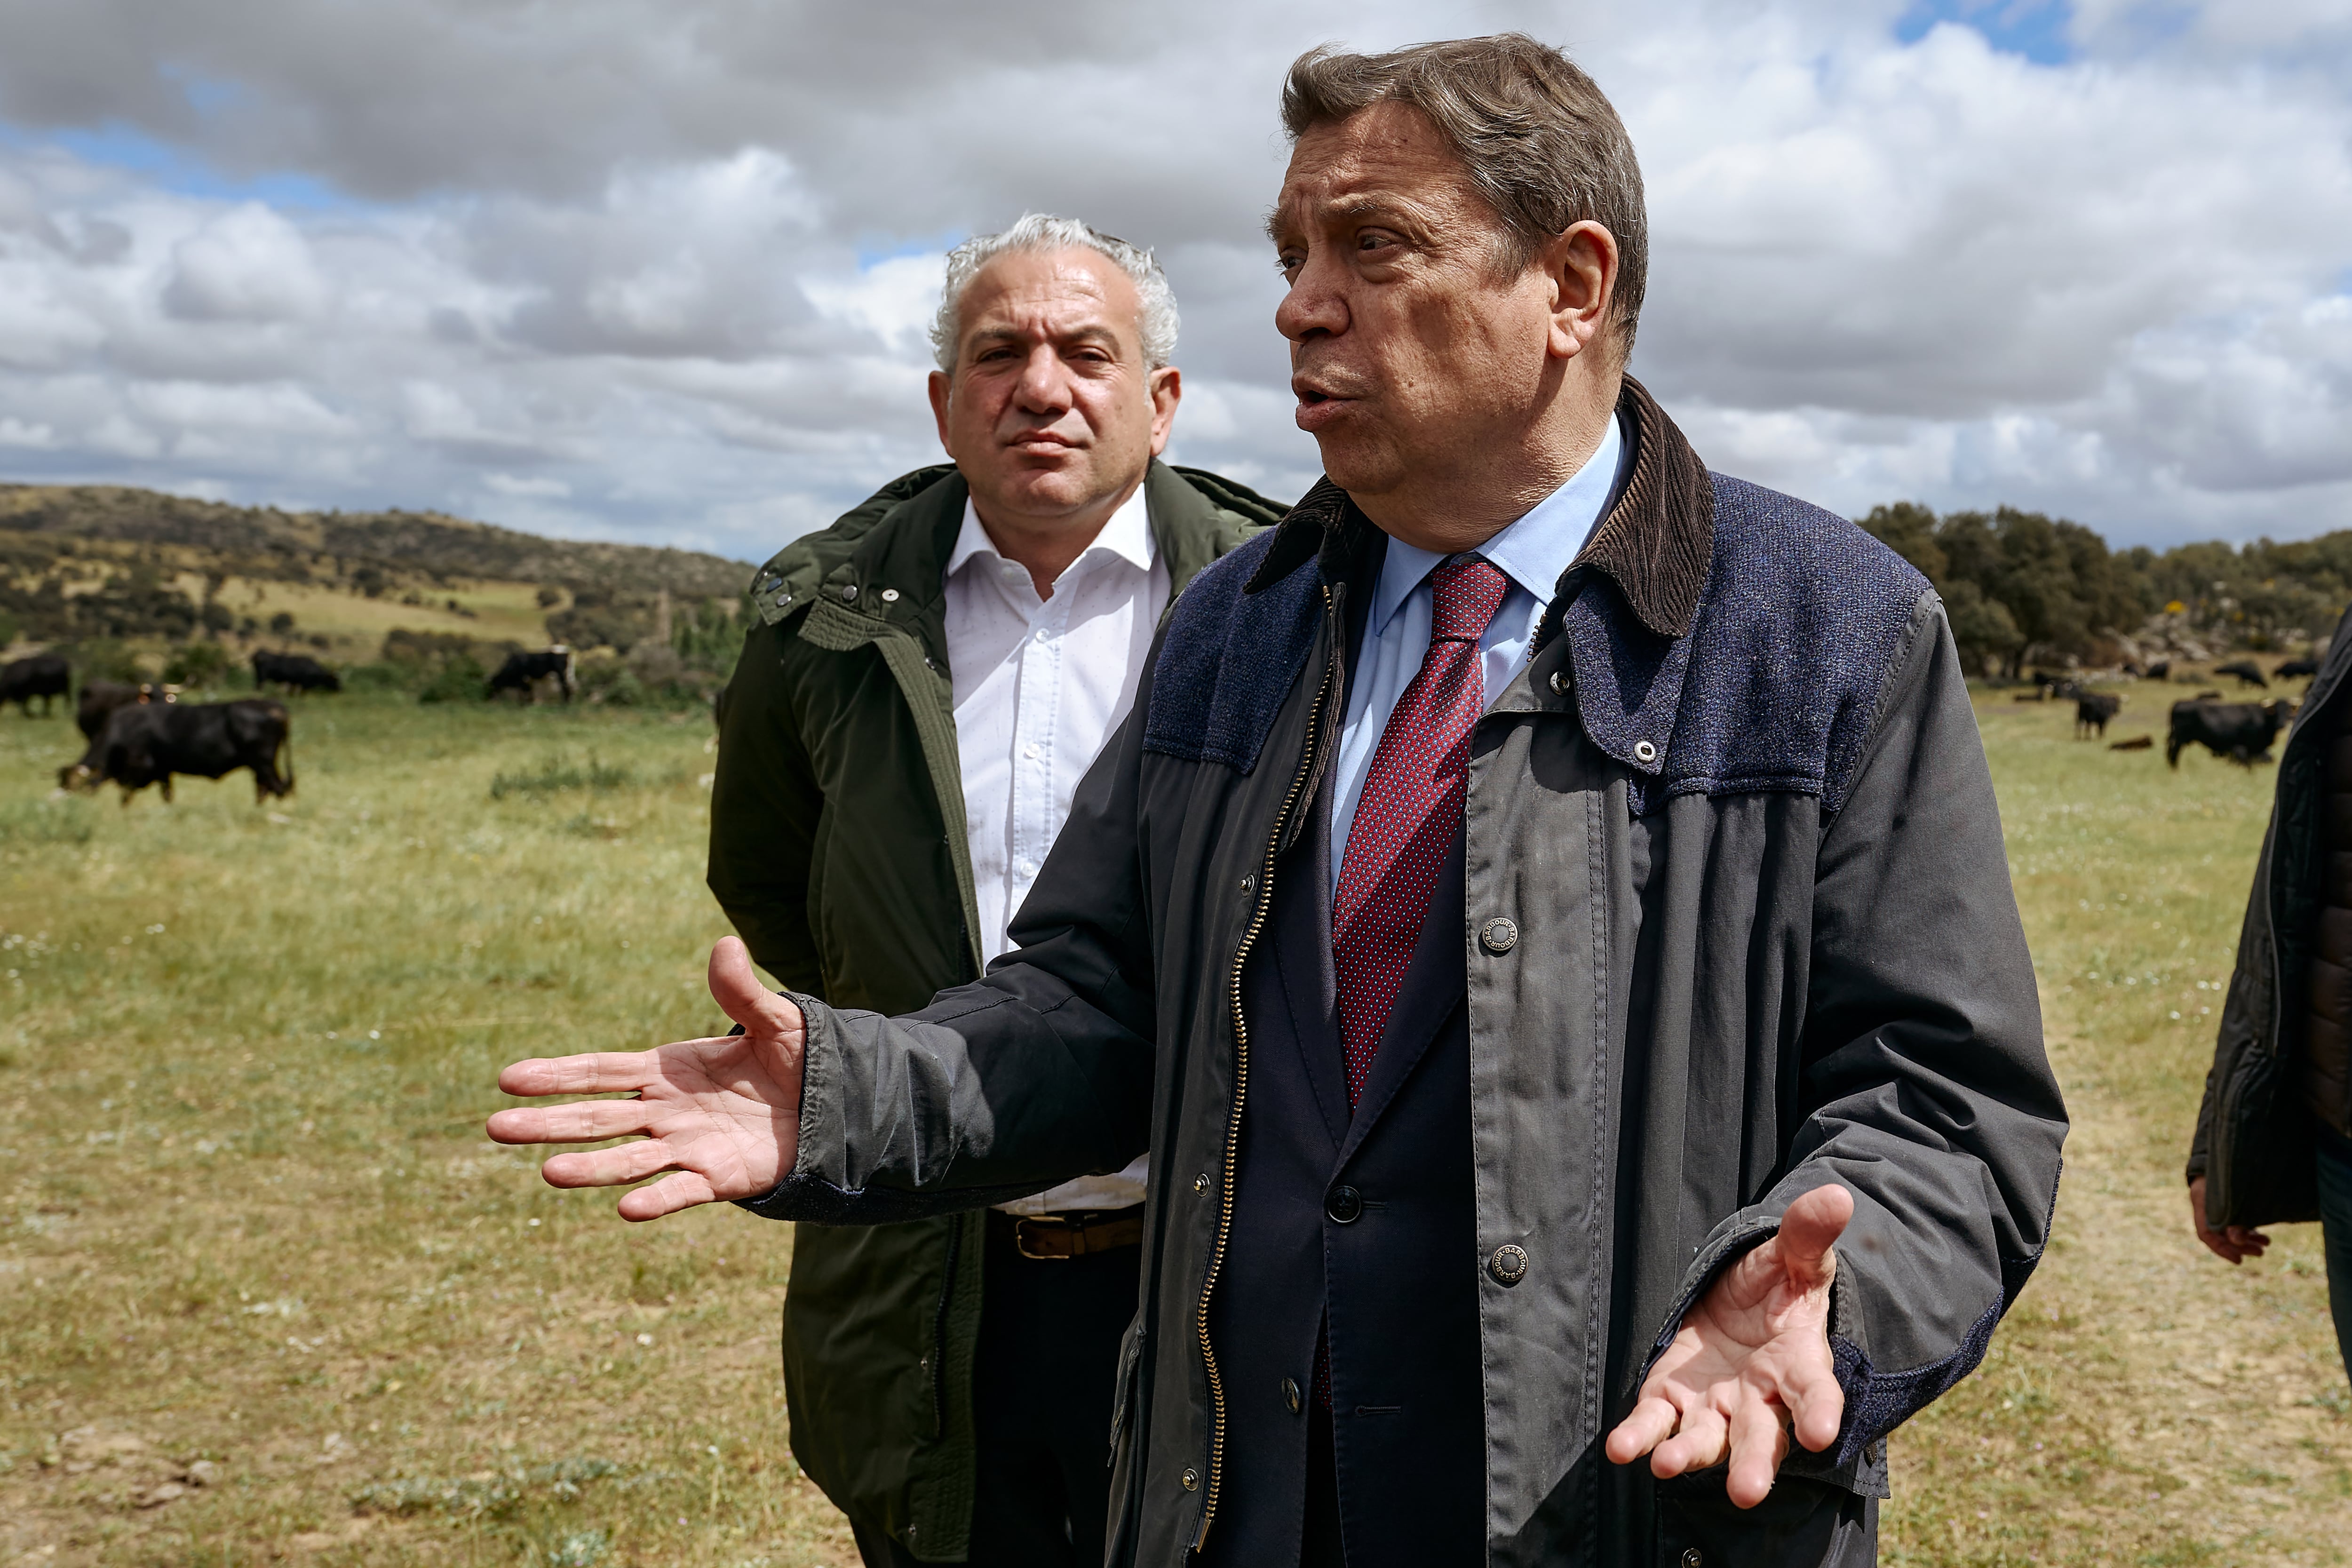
(609, 681)
(198, 664)
(460, 679)
(103, 659)
(378, 677)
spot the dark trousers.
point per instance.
(2336, 1229)
(1049, 1334)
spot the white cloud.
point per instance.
(541, 488)
(615, 275)
(896, 298)
(247, 264)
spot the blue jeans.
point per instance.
(2336, 1226)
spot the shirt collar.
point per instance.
(1532, 552)
(1127, 534)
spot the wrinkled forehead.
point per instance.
(1386, 161)
(1052, 295)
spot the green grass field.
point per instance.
(266, 1293)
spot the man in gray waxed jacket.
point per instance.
(1546, 916)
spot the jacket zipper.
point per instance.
(939, 1329)
(1241, 1081)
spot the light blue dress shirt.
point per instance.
(1532, 552)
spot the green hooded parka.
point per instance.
(838, 849)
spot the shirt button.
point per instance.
(1032, 750)
(1044, 635)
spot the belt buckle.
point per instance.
(1021, 1232)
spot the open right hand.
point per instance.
(2232, 1242)
(722, 1115)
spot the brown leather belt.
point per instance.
(1065, 1236)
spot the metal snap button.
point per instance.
(1498, 935)
(1644, 751)
(1559, 683)
(849, 590)
(889, 595)
(1200, 1184)
(1509, 1264)
(1290, 1400)
(1191, 1480)
(1344, 1205)
(1693, 1558)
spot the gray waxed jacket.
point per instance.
(1737, 808)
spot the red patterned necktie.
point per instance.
(1406, 816)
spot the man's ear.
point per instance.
(1167, 388)
(1581, 265)
(941, 387)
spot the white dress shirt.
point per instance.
(1040, 685)
(1532, 552)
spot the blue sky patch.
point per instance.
(118, 146)
(2037, 29)
(873, 252)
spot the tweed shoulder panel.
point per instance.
(1229, 659)
(1803, 617)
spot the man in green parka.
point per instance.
(929, 679)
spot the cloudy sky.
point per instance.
(658, 269)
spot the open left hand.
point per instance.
(721, 1115)
(1752, 1351)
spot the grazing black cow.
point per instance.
(2248, 672)
(2239, 732)
(2092, 711)
(523, 671)
(2297, 669)
(2160, 670)
(47, 676)
(100, 698)
(294, 671)
(147, 743)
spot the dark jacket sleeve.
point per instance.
(1039, 1071)
(2240, 1031)
(1925, 1089)
(765, 805)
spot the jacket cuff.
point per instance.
(801, 1189)
(806, 1193)
(1876, 1402)
(1858, 1465)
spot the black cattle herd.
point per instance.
(2240, 732)
(141, 733)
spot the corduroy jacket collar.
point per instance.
(1655, 542)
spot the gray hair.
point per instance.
(1155, 317)
(1539, 139)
